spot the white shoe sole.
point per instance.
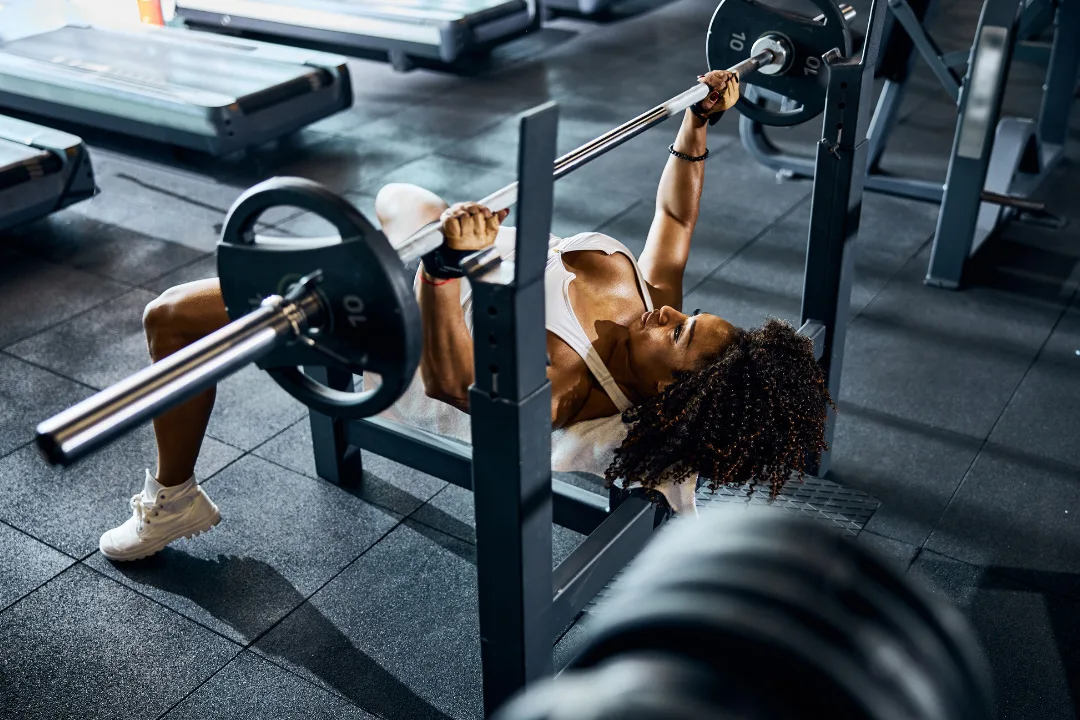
(145, 551)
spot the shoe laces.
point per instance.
(143, 510)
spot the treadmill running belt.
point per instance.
(161, 65)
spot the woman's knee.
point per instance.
(403, 208)
(181, 315)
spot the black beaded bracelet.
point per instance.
(683, 156)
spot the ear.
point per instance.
(662, 385)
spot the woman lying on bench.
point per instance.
(698, 395)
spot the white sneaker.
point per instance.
(159, 516)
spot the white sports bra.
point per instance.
(559, 317)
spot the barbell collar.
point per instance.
(429, 237)
(114, 411)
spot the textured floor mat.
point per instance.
(846, 508)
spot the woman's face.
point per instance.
(666, 341)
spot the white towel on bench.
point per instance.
(584, 447)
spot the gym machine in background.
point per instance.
(340, 306)
(209, 93)
(996, 163)
(404, 29)
(1007, 157)
(762, 617)
(41, 171)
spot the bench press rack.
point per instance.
(524, 603)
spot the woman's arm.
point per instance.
(446, 359)
(678, 196)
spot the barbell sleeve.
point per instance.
(429, 237)
(114, 411)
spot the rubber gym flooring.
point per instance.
(958, 410)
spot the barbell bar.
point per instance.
(105, 416)
(773, 55)
(293, 315)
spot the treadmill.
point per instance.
(41, 171)
(206, 92)
(439, 30)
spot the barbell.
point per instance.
(344, 302)
(758, 615)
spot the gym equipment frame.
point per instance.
(1006, 157)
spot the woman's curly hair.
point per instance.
(755, 414)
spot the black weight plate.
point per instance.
(949, 627)
(817, 605)
(737, 24)
(370, 318)
(897, 650)
(828, 568)
(731, 634)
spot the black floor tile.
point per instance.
(453, 512)
(764, 280)
(251, 408)
(90, 497)
(360, 114)
(947, 359)
(84, 646)
(1030, 639)
(897, 552)
(351, 163)
(638, 165)
(451, 179)
(30, 395)
(912, 469)
(99, 347)
(376, 83)
(384, 483)
(114, 252)
(581, 209)
(166, 179)
(432, 128)
(282, 536)
(198, 270)
(161, 213)
(767, 277)
(253, 688)
(716, 239)
(1019, 515)
(1041, 418)
(36, 294)
(397, 633)
(25, 564)
(497, 146)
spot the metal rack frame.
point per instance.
(524, 604)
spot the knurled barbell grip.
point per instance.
(114, 411)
